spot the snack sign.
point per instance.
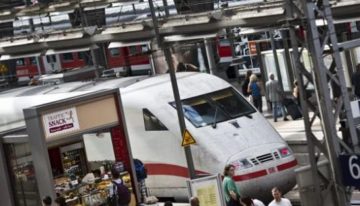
(61, 122)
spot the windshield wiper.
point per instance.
(248, 115)
(214, 121)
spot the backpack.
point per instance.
(121, 196)
(141, 172)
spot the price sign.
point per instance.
(350, 165)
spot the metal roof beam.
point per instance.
(82, 42)
(192, 24)
(349, 44)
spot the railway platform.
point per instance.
(293, 132)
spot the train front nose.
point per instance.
(259, 169)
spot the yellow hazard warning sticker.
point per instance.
(188, 139)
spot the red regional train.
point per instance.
(134, 58)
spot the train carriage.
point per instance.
(228, 130)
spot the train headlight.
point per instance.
(284, 152)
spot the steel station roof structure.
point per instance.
(259, 16)
(60, 6)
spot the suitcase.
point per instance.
(288, 101)
(292, 109)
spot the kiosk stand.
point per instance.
(61, 123)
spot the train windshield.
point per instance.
(232, 103)
(211, 108)
(201, 112)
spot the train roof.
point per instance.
(79, 86)
(15, 100)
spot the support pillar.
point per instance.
(289, 66)
(276, 60)
(39, 153)
(38, 65)
(172, 72)
(349, 64)
(210, 56)
(95, 63)
(6, 195)
(152, 61)
(166, 8)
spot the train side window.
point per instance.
(115, 52)
(33, 60)
(51, 59)
(20, 62)
(132, 50)
(81, 55)
(68, 57)
(152, 123)
(144, 48)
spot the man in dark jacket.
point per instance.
(274, 95)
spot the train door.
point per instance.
(52, 63)
(139, 59)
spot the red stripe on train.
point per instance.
(262, 173)
(249, 176)
(169, 169)
(179, 171)
(287, 165)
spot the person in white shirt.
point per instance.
(247, 201)
(278, 200)
(257, 202)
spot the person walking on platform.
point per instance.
(296, 93)
(274, 94)
(255, 92)
(278, 200)
(232, 194)
(247, 201)
(245, 84)
(355, 80)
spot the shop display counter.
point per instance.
(89, 194)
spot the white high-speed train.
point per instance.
(227, 129)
